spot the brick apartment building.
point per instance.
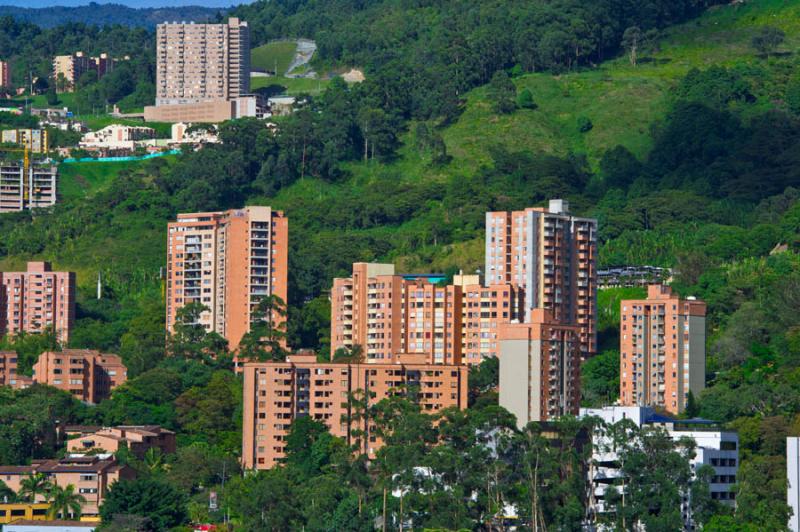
(68, 69)
(551, 255)
(202, 72)
(8, 371)
(5, 74)
(91, 475)
(276, 393)
(88, 375)
(227, 261)
(21, 189)
(540, 368)
(137, 438)
(386, 314)
(662, 350)
(37, 299)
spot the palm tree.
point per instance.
(33, 485)
(65, 503)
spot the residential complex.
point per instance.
(387, 314)
(5, 74)
(137, 438)
(68, 69)
(662, 349)
(227, 261)
(276, 393)
(540, 368)
(202, 72)
(793, 477)
(91, 475)
(24, 187)
(86, 374)
(36, 140)
(714, 447)
(551, 255)
(36, 300)
(117, 136)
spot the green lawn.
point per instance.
(267, 56)
(292, 85)
(76, 180)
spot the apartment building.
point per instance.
(68, 69)
(227, 261)
(31, 188)
(276, 393)
(5, 74)
(36, 140)
(386, 314)
(552, 256)
(793, 477)
(36, 300)
(201, 71)
(137, 438)
(662, 349)
(540, 368)
(91, 475)
(87, 374)
(715, 447)
(8, 371)
(117, 136)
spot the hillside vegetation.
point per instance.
(689, 159)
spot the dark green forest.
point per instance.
(371, 171)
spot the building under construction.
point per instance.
(26, 186)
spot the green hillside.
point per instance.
(274, 54)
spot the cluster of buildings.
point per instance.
(121, 140)
(68, 69)
(35, 140)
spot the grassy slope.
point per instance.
(76, 180)
(266, 56)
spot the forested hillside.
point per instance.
(676, 124)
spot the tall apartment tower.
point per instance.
(552, 256)
(276, 393)
(662, 350)
(202, 62)
(38, 299)
(5, 74)
(540, 368)
(227, 261)
(387, 314)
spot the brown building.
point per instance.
(5, 74)
(552, 256)
(227, 261)
(68, 69)
(662, 350)
(37, 299)
(91, 475)
(21, 189)
(8, 371)
(88, 375)
(540, 368)
(387, 314)
(276, 393)
(137, 438)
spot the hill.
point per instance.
(110, 14)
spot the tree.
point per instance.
(619, 167)
(483, 378)
(154, 499)
(631, 42)
(584, 124)
(33, 485)
(189, 338)
(525, 99)
(502, 93)
(65, 503)
(266, 339)
(767, 40)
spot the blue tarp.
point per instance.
(121, 159)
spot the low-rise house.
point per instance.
(91, 475)
(117, 136)
(138, 438)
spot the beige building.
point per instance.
(35, 140)
(22, 189)
(552, 256)
(137, 438)
(117, 136)
(662, 350)
(92, 476)
(540, 368)
(68, 69)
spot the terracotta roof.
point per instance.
(16, 469)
